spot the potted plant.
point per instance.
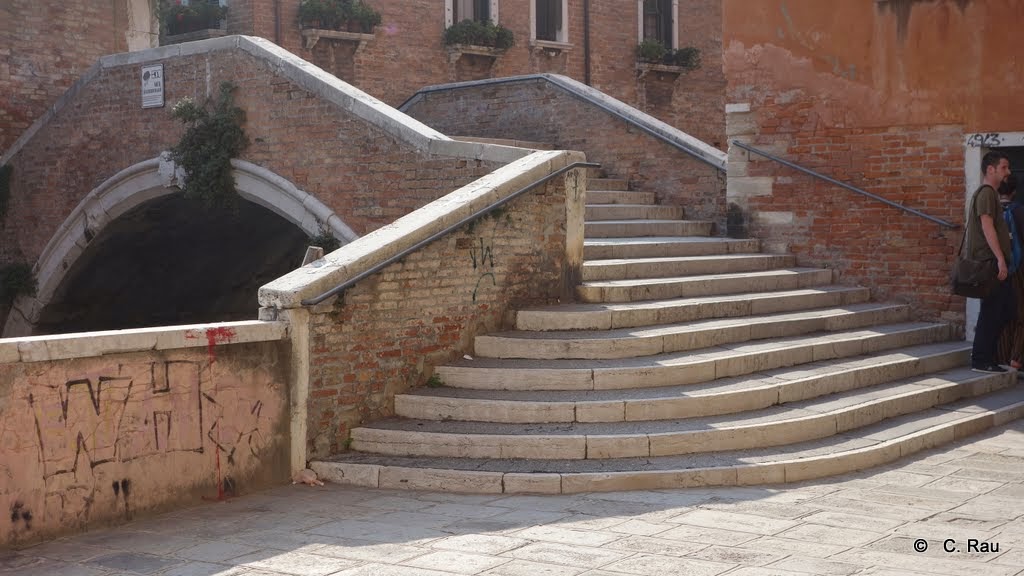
(362, 17)
(652, 51)
(348, 15)
(180, 18)
(475, 33)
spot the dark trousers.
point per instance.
(998, 310)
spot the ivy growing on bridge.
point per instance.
(15, 280)
(212, 138)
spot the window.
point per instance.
(479, 10)
(549, 20)
(658, 21)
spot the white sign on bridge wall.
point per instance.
(153, 86)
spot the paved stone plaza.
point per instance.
(866, 523)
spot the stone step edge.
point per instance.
(506, 411)
(700, 369)
(620, 315)
(789, 430)
(780, 472)
(680, 336)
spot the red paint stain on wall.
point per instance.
(213, 336)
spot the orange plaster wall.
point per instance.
(881, 63)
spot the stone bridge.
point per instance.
(94, 207)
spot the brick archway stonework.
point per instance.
(141, 183)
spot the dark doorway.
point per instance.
(1016, 155)
(172, 261)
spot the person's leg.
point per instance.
(991, 319)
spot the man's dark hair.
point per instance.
(1009, 186)
(992, 159)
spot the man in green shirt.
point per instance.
(988, 238)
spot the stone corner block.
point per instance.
(347, 473)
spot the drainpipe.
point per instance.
(586, 42)
(277, 22)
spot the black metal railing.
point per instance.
(378, 267)
(849, 187)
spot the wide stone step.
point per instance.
(618, 196)
(635, 342)
(607, 184)
(620, 228)
(597, 213)
(633, 314)
(722, 396)
(664, 246)
(682, 368)
(855, 450)
(774, 426)
(633, 268)
(636, 290)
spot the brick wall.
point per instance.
(869, 94)
(539, 111)
(44, 48)
(95, 434)
(364, 174)
(388, 331)
(898, 255)
(408, 53)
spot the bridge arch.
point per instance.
(142, 183)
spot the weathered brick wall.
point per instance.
(898, 255)
(388, 331)
(364, 174)
(408, 53)
(103, 436)
(869, 93)
(539, 111)
(44, 48)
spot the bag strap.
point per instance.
(970, 216)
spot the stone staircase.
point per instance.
(690, 360)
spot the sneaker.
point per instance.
(988, 368)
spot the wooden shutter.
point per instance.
(665, 22)
(482, 10)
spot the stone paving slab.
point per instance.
(866, 523)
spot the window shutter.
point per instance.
(665, 22)
(482, 10)
(549, 19)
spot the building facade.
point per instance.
(898, 97)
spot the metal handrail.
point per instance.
(831, 180)
(378, 267)
(585, 97)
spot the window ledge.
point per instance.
(549, 46)
(312, 35)
(645, 68)
(456, 51)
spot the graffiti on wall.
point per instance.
(100, 430)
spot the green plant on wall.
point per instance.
(654, 52)
(16, 280)
(179, 18)
(353, 15)
(477, 33)
(213, 136)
